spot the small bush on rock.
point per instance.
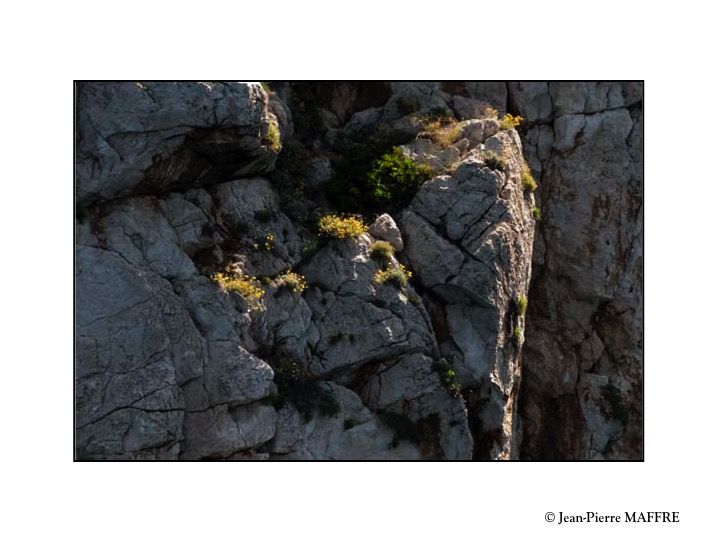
(447, 377)
(508, 121)
(341, 227)
(493, 161)
(394, 179)
(273, 137)
(293, 281)
(528, 181)
(442, 132)
(247, 287)
(517, 333)
(381, 251)
(399, 275)
(537, 214)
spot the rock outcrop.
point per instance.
(323, 349)
(582, 388)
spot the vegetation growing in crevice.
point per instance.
(441, 129)
(528, 181)
(296, 386)
(246, 286)
(381, 251)
(517, 334)
(293, 281)
(493, 160)
(398, 275)
(447, 377)
(272, 137)
(372, 176)
(522, 304)
(537, 214)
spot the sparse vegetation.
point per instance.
(295, 385)
(246, 286)
(273, 137)
(381, 251)
(341, 226)
(508, 121)
(493, 160)
(537, 214)
(522, 304)
(293, 281)
(612, 395)
(447, 377)
(399, 275)
(443, 132)
(528, 181)
(269, 241)
(517, 333)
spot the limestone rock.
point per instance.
(384, 228)
(585, 314)
(151, 137)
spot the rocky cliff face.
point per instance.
(321, 348)
(582, 389)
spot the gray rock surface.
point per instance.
(469, 236)
(585, 316)
(385, 228)
(151, 137)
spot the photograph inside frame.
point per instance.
(359, 271)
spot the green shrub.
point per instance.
(522, 304)
(349, 189)
(612, 395)
(447, 377)
(537, 214)
(493, 161)
(394, 179)
(341, 227)
(381, 251)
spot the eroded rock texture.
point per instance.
(582, 379)
(177, 181)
